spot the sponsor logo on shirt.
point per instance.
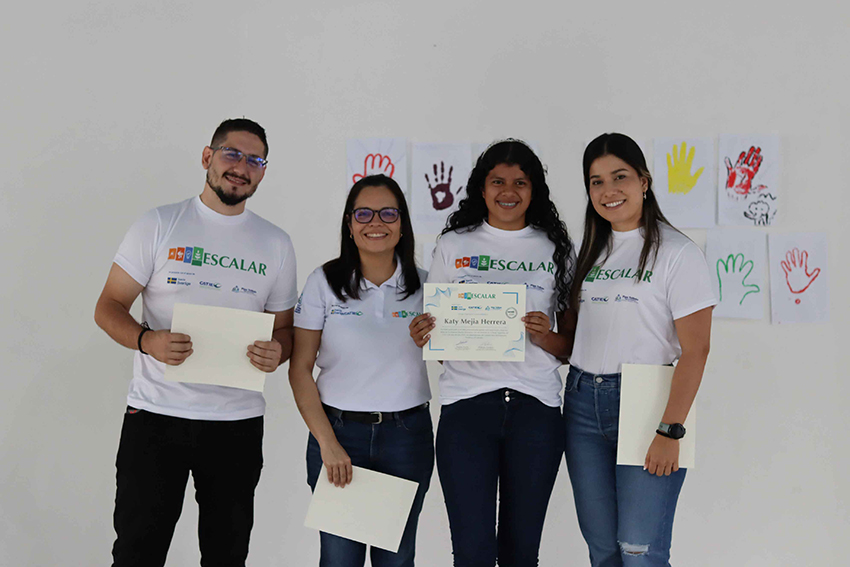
(240, 289)
(485, 263)
(209, 285)
(298, 305)
(406, 314)
(597, 274)
(343, 309)
(601, 300)
(626, 298)
(196, 256)
(533, 286)
(178, 281)
(471, 295)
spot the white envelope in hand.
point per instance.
(373, 509)
(644, 390)
(220, 338)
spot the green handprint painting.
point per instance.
(732, 274)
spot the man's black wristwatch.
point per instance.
(673, 430)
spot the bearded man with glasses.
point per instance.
(206, 250)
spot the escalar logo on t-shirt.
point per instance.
(196, 256)
(486, 263)
(597, 274)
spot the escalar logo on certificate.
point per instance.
(476, 322)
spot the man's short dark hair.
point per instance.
(239, 125)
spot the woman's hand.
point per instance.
(662, 459)
(337, 462)
(538, 326)
(420, 327)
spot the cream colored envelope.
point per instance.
(644, 391)
(220, 339)
(373, 509)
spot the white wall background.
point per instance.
(107, 105)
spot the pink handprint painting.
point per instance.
(439, 175)
(799, 285)
(376, 156)
(748, 180)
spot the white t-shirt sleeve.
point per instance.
(284, 293)
(311, 308)
(438, 272)
(689, 283)
(137, 252)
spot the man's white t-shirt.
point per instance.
(627, 317)
(188, 253)
(367, 359)
(492, 255)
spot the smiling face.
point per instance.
(232, 183)
(616, 191)
(507, 193)
(375, 236)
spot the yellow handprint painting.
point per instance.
(685, 174)
(679, 178)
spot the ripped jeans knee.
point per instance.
(633, 549)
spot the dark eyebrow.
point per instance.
(619, 170)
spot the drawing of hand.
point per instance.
(375, 164)
(679, 178)
(732, 275)
(796, 268)
(441, 193)
(739, 178)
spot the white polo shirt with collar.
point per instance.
(367, 360)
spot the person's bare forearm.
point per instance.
(310, 405)
(115, 319)
(686, 381)
(284, 337)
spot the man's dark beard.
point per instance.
(229, 200)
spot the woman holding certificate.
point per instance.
(500, 425)
(643, 296)
(369, 404)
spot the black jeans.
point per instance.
(155, 456)
(505, 442)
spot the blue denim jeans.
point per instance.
(401, 447)
(505, 442)
(625, 513)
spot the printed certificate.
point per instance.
(476, 322)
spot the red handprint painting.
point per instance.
(799, 290)
(376, 156)
(440, 172)
(748, 183)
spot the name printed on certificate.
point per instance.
(476, 322)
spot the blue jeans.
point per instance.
(501, 441)
(402, 447)
(625, 513)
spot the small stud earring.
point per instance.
(644, 195)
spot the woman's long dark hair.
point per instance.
(343, 273)
(541, 213)
(597, 231)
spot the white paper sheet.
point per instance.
(220, 339)
(373, 156)
(644, 391)
(684, 181)
(748, 180)
(440, 173)
(373, 509)
(737, 259)
(799, 277)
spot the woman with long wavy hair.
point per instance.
(500, 432)
(643, 296)
(369, 405)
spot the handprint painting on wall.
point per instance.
(373, 156)
(737, 259)
(439, 175)
(684, 181)
(799, 285)
(748, 180)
